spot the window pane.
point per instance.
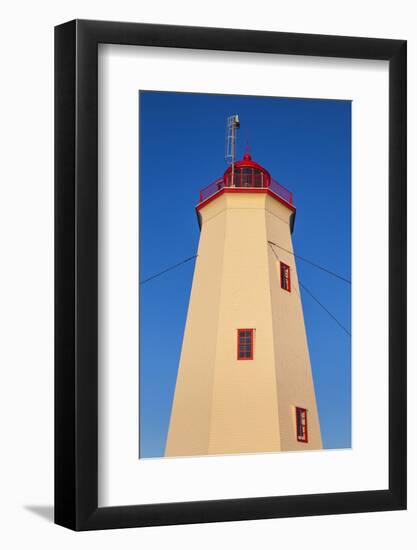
(301, 424)
(245, 344)
(285, 276)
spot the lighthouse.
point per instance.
(244, 382)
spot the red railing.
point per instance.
(281, 191)
(211, 189)
(249, 181)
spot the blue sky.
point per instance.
(306, 145)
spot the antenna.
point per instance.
(232, 125)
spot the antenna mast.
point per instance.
(232, 125)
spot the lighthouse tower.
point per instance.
(244, 381)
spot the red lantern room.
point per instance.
(246, 173)
(246, 176)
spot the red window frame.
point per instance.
(245, 341)
(301, 424)
(285, 275)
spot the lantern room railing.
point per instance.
(251, 181)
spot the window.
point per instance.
(247, 177)
(243, 177)
(245, 343)
(285, 276)
(301, 424)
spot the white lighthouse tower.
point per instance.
(244, 381)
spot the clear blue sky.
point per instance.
(306, 146)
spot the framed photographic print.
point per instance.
(230, 258)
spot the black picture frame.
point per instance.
(76, 274)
